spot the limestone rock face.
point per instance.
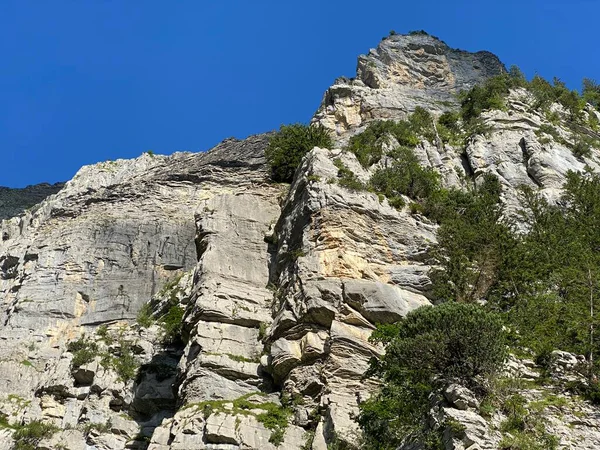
(188, 302)
(403, 72)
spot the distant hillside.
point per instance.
(14, 201)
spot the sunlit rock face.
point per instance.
(403, 72)
(279, 287)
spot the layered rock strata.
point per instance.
(280, 286)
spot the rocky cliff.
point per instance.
(14, 201)
(273, 290)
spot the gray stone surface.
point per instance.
(281, 286)
(403, 72)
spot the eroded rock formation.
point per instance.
(280, 285)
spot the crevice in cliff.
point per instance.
(155, 390)
(466, 165)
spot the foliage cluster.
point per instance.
(273, 416)
(405, 176)
(524, 427)
(172, 323)
(144, 316)
(121, 358)
(489, 95)
(544, 281)
(474, 240)
(28, 436)
(492, 95)
(287, 147)
(368, 145)
(424, 351)
(591, 92)
(541, 285)
(347, 178)
(171, 318)
(84, 351)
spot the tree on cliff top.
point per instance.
(287, 147)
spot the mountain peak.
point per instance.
(403, 72)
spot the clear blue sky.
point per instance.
(83, 81)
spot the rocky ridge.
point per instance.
(280, 285)
(403, 72)
(14, 201)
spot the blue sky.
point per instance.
(83, 81)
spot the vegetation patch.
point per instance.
(405, 177)
(276, 419)
(171, 323)
(428, 348)
(124, 362)
(539, 290)
(171, 319)
(97, 427)
(273, 416)
(84, 351)
(368, 145)
(28, 436)
(287, 147)
(493, 93)
(524, 427)
(591, 92)
(347, 178)
(144, 316)
(449, 128)
(121, 359)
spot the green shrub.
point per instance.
(582, 146)
(523, 428)
(422, 123)
(553, 117)
(593, 121)
(122, 360)
(102, 333)
(405, 177)
(262, 331)
(455, 341)
(275, 418)
(84, 351)
(367, 146)
(591, 92)
(347, 178)
(483, 97)
(125, 364)
(474, 241)
(27, 437)
(449, 128)
(171, 324)
(542, 91)
(144, 316)
(554, 270)
(546, 93)
(549, 129)
(418, 33)
(423, 352)
(517, 77)
(287, 147)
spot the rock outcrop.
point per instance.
(403, 72)
(277, 287)
(15, 201)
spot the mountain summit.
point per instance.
(403, 72)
